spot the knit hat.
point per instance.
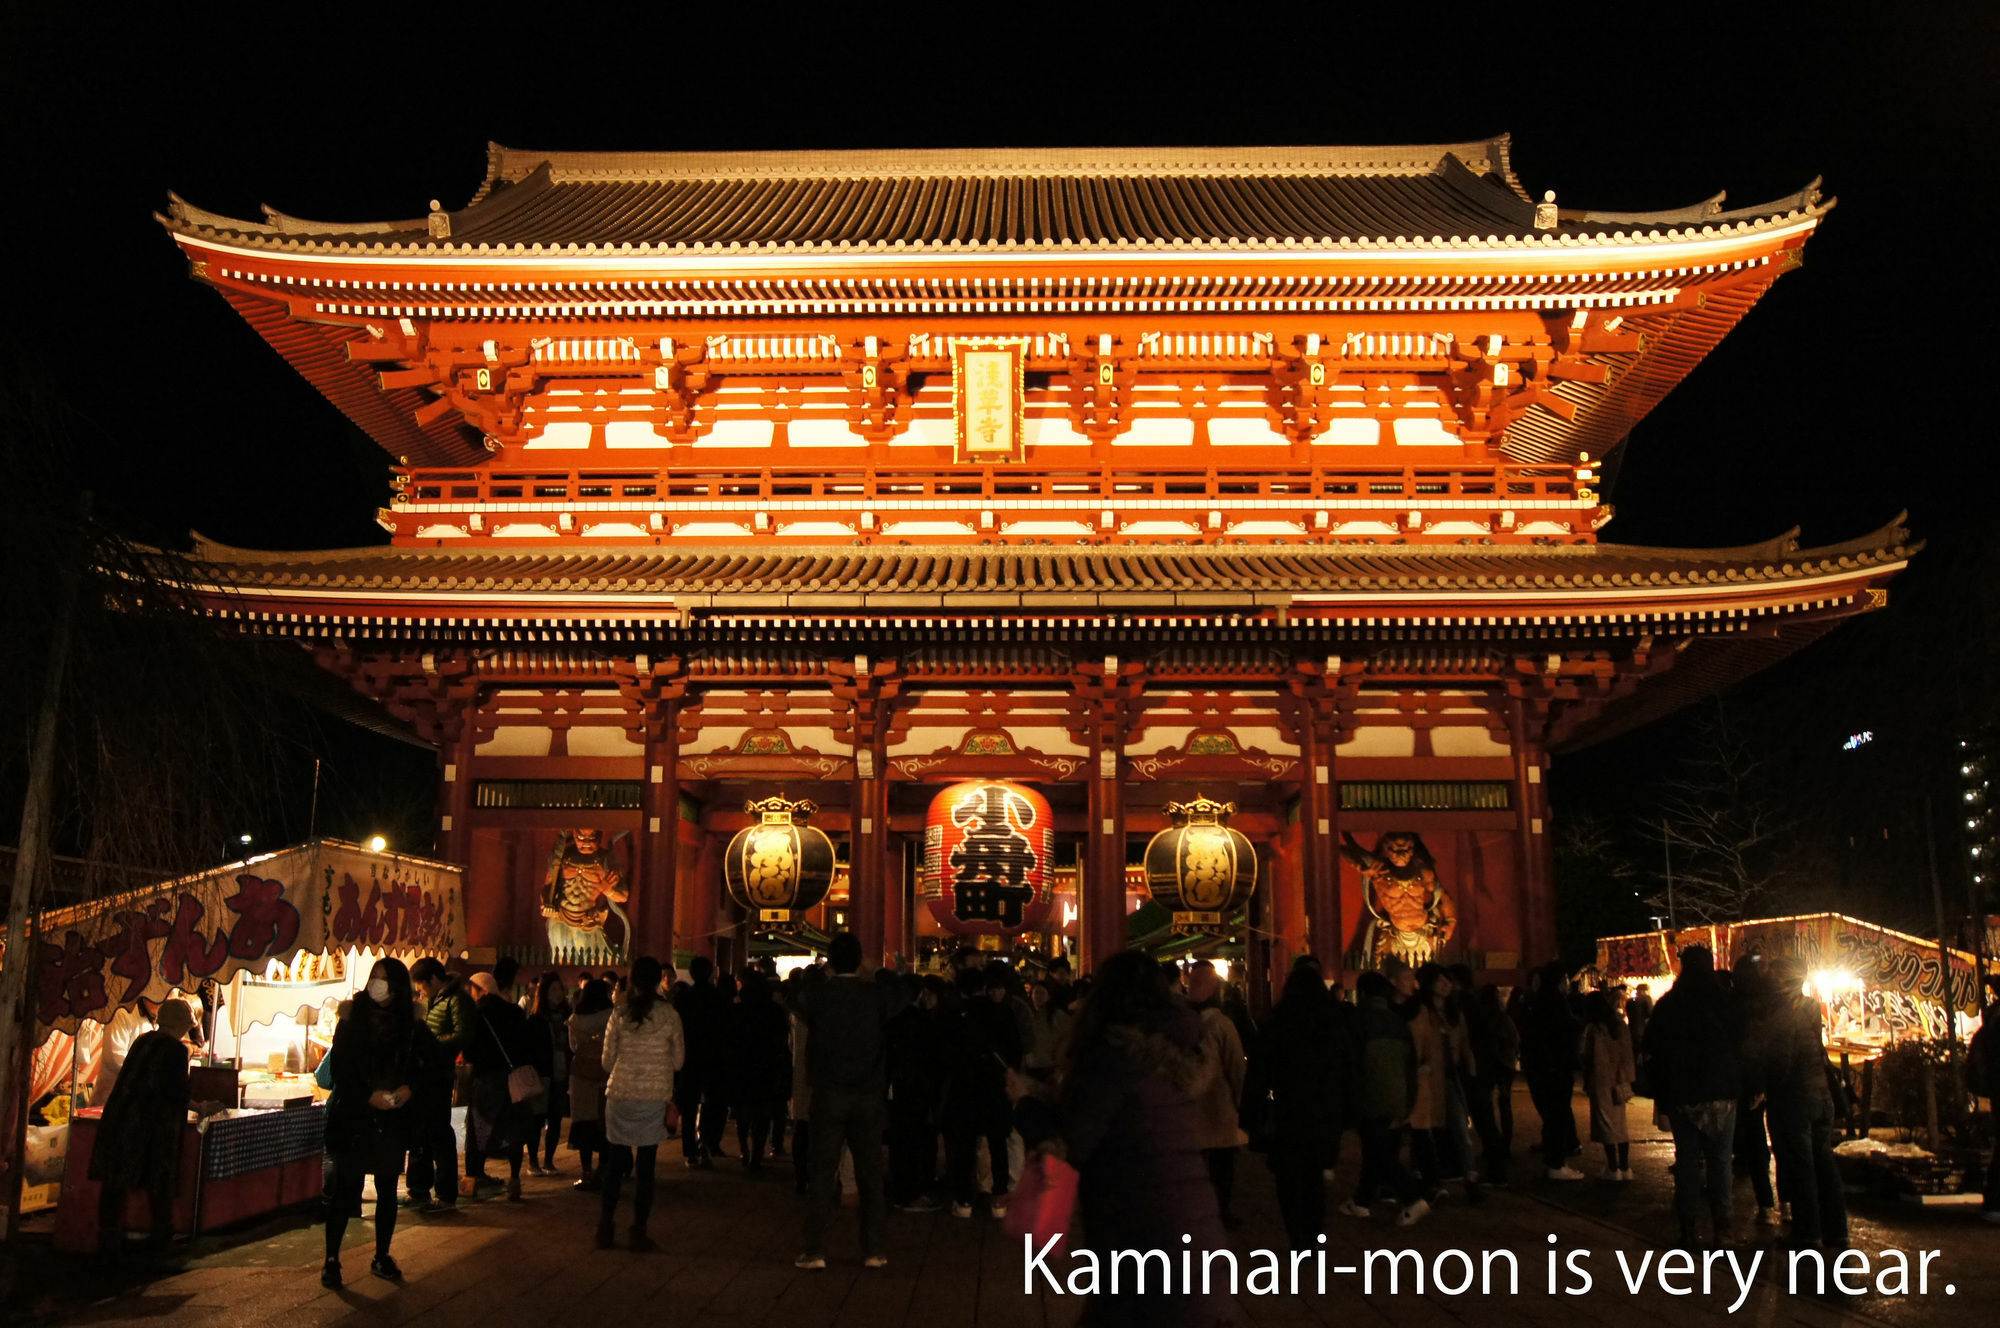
(484, 983)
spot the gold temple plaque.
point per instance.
(986, 402)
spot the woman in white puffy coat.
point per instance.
(643, 1046)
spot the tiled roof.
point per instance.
(1460, 194)
(878, 577)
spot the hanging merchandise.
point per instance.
(1199, 869)
(778, 867)
(989, 859)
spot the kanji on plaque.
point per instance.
(986, 402)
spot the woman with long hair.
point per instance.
(1608, 1071)
(382, 1056)
(643, 1046)
(586, 1076)
(1124, 1116)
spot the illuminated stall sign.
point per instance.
(315, 898)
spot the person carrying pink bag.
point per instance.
(1123, 1115)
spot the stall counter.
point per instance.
(235, 1165)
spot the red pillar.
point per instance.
(1102, 905)
(1320, 859)
(1530, 854)
(895, 900)
(455, 758)
(703, 898)
(867, 914)
(658, 866)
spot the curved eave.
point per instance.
(1622, 251)
(1539, 589)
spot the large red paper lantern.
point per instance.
(989, 859)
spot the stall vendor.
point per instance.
(128, 1024)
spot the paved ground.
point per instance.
(729, 1240)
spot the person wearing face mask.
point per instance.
(382, 1054)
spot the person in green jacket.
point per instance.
(1383, 1098)
(448, 1013)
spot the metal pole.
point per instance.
(1667, 849)
(1944, 975)
(312, 819)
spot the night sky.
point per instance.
(1854, 391)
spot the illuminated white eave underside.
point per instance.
(594, 601)
(1662, 255)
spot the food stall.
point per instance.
(1878, 986)
(272, 945)
(1889, 1000)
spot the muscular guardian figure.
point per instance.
(1412, 916)
(581, 887)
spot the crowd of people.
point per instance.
(933, 1091)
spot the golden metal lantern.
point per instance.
(778, 867)
(1199, 869)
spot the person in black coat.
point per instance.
(495, 1124)
(983, 1044)
(916, 1083)
(701, 1087)
(382, 1056)
(1785, 1064)
(1550, 1035)
(139, 1138)
(1693, 1063)
(1294, 1099)
(759, 1066)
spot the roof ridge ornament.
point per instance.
(1545, 211)
(440, 222)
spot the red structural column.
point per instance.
(1103, 898)
(455, 758)
(1321, 859)
(871, 689)
(895, 899)
(1317, 688)
(1105, 694)
(867, 871)
(702, 897)
(1530, 848)
(659, 844)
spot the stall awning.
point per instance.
(317, 897)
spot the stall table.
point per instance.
(235, 1165)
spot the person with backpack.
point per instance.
(448, 1014)
(1385, 1091)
